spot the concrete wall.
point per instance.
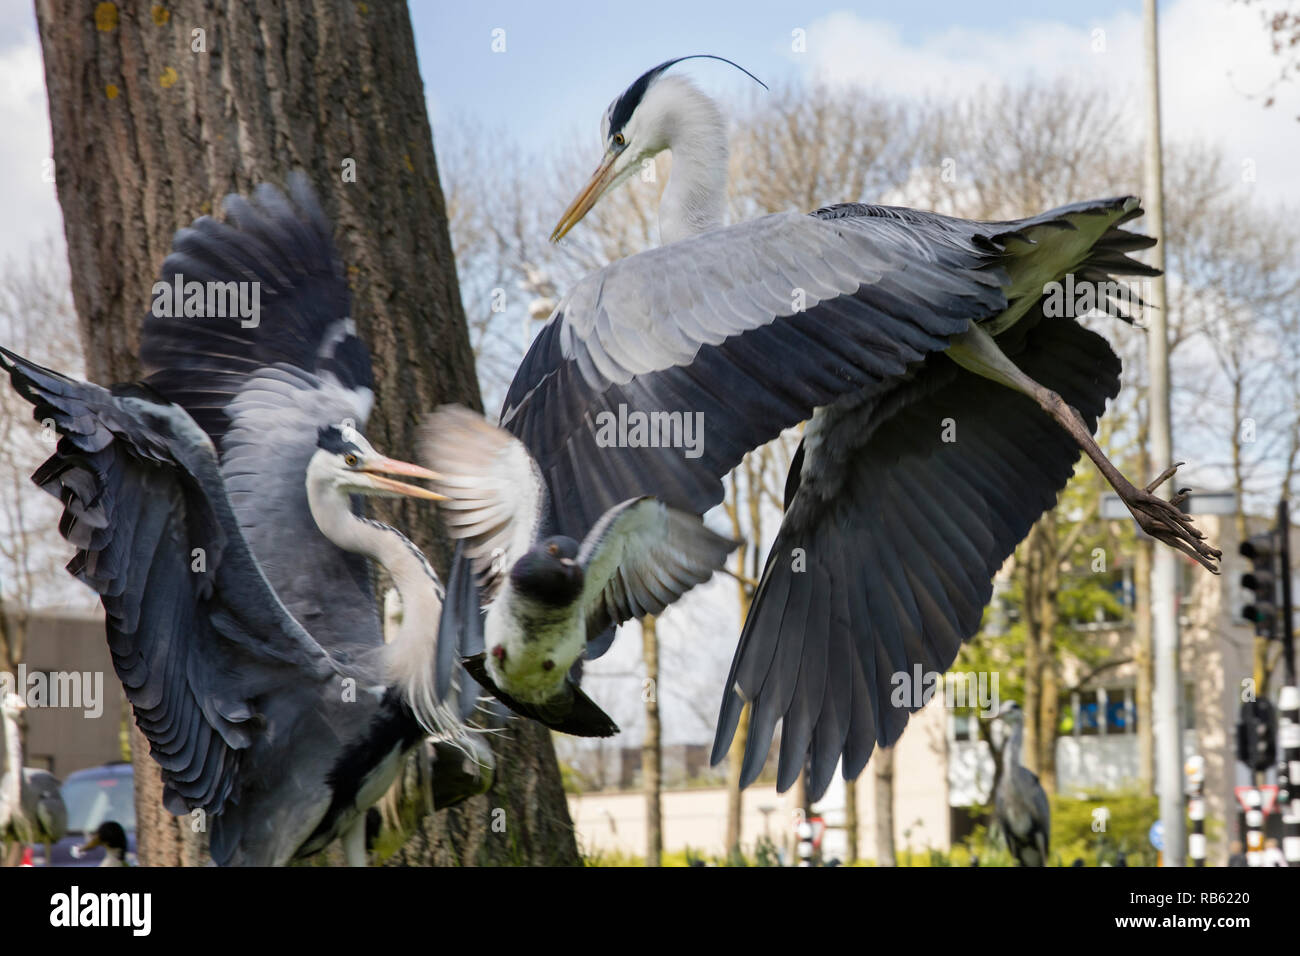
(696, 819)
(63, 739)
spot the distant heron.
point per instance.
(945, 412)
(1020, 803)
(551, 596)
(214, 509)
(31, 804)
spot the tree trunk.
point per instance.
(736, 796)
(883, 777)
(1032, 610)
(1142, 656)
(745, 594)
(1050, 701)
(651, 748)
(851, 820)
(157, 113)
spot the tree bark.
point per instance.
(651, 747)
(736, 796)
(883, 781)
(157, 113)
(851, 819)
(1142, 655)
(1032, 609)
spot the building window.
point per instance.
(964, 728)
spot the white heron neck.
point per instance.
(412, 652)
(695, 199)
(1014, 743)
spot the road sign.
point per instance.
(1266, 800)
(1157, 835)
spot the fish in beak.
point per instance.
(377, 469)
(595, 188)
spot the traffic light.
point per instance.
(1261, 549)
(1257, 734)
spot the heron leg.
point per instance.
(354, 842)
(976, 351)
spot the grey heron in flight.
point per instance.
(1020, 803)
(873, 324)
(31, 802)
(213, 508)
(550, 595)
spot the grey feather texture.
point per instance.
(271, 386)
(786, 312)
(495, 495)
(641, 557)
(197, 651)
(248, 644)
(840, 318)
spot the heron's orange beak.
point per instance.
(594, 189)
(90, 844)
(391, 466)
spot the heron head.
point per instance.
(348, 463)
(638, 125)
(1011, 713)
(12, 705)
(550, 572)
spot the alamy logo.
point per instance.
(1075, 298)
(638, 429)
(74, 908)
(208, 300)
(979, 691)
(82, 690)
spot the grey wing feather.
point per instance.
(261, 391)
(788, 311)
(198, 639)
(902, 534)
(641, 557)
(495, 494)
(271, 439)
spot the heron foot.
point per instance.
(1164, 521)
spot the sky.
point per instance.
(563, 62)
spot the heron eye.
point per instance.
(350, 460)
(620, 139)
(552, 549)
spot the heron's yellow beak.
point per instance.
(391, 466)
(90, 844)
(594, 189)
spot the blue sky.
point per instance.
(564, 62)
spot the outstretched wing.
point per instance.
(901, 532)
(209, 658)
(641, 557)
(739, 334)
(495, 498)
(261, 385)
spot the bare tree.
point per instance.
(37, 320)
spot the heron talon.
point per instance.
(1164, 476)
(1164, 521)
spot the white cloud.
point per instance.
(1214, 56)
(31, 209)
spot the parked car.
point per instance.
(93, 796)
